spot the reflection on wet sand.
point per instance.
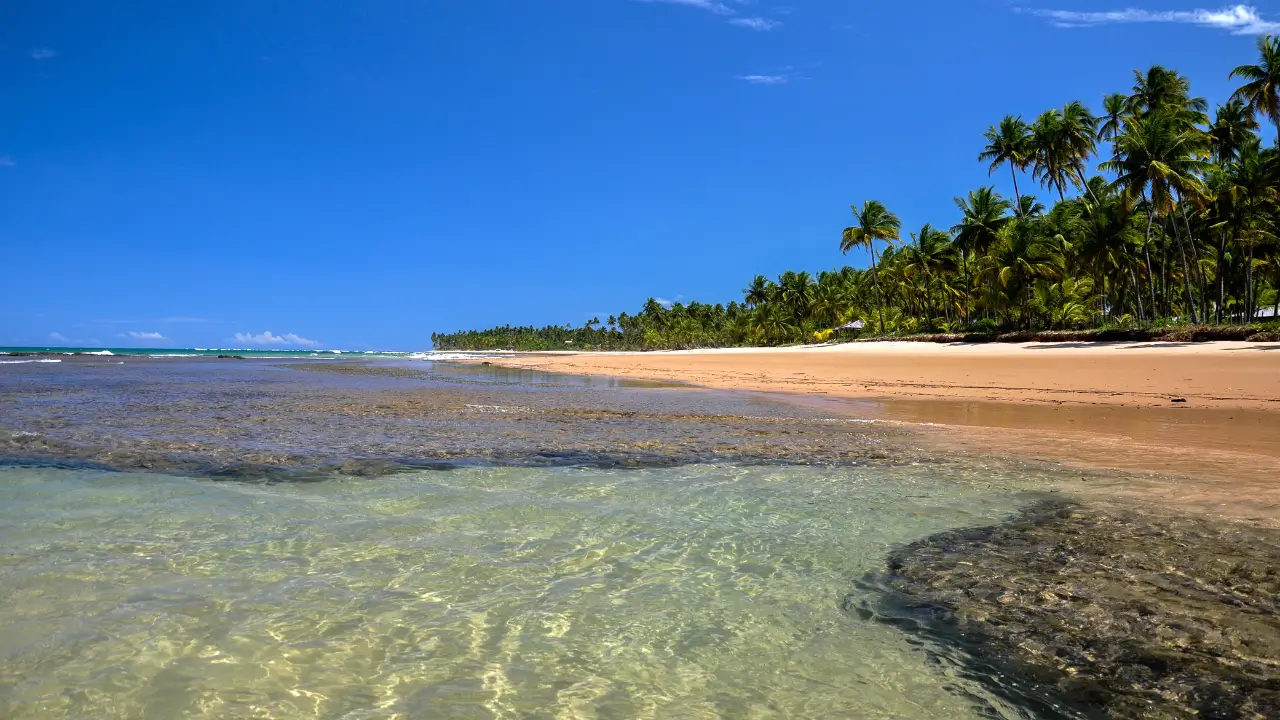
(1219, 460)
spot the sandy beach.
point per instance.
(1204, 375)
(1208, 410)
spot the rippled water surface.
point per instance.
(697, 591)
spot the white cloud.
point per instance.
(765, 79)
(755, 23)
(44, 53)
(58, 337)
(143, 335)
(718, 8)
(1236, 19)
(725, 8)
(266, 338)
(664, 302)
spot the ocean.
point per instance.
(183, 535)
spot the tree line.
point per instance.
(1160, 215)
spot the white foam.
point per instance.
(447, 355)
(19, 362)
(100, 352)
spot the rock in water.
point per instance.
(1109, 610)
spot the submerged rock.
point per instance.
(1109, 611)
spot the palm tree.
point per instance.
(1115, 111)
(776, 324)
(1107, 248)
(1030, 206)
(930, 255)
(795, 290)
(1248, 187)
(1079, 140)
(1020, 257)
(1050, 164)
(1159, 160)
(1262, 91)
(1010, 144)
(983, 213)
(759, 291)
(830, 298)
(1232, 124)
(1163, 90)
(874, 222)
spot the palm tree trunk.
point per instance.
(1084, 183)
(1151, 278)
(1201, 279)
(1222, 286)
(1248, 274)
(1013, 172)
(1164, 277)
(1186, 271)
(1137, 293)
(875, 278)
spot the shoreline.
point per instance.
(1109, 406)
(1203, 374)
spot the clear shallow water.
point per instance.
(174, 353)
(699, 591)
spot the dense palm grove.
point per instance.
(1180, 226)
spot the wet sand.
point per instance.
(1232, 375)
(1208, 411)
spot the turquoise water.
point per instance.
(202, 352)
(692, 592)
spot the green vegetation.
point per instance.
(1179, 229)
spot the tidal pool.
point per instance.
(695, 591)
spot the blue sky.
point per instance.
(360, 174)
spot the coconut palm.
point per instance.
(1232, 125)
(1046, 152)
(795, 290)
(1159, 160)
(874, 222)
(830, 298)
(759, 291)
(930, 255)
(1185, 223)
(1261, 92)
(1107, 246)
(1160, 89)
(1029, 206)
(1115, 108)
(983, 214)
(1249, 186)
(1021, 256)
(1078, 137)
(1008, 144)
